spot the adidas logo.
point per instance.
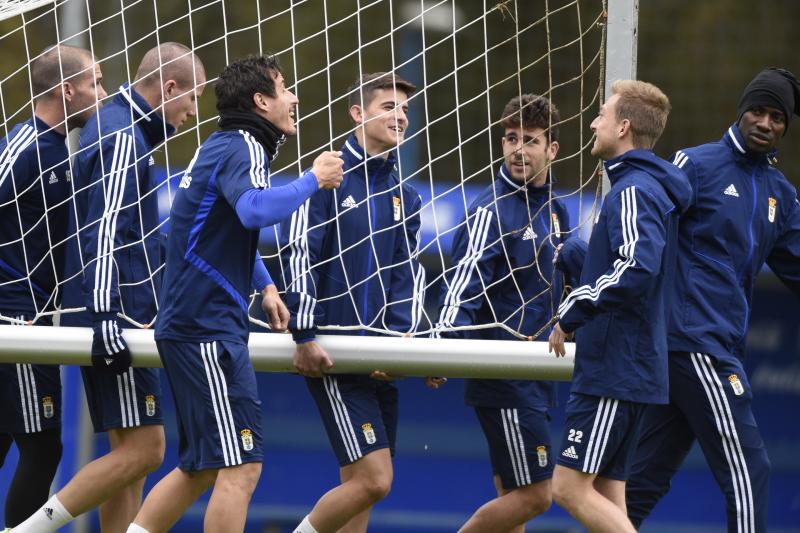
(108, 361)
(570, 452)
(151, 161)
(349, 202)
(49, 512)
(529, 234)
(53, 178)
(731, 191)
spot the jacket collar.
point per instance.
(735, 141)
(43, 128)
(354, 155)
(615, 167)
(528, 191)
(151, 122)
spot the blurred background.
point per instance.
(477, 55)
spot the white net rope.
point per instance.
(466, 58)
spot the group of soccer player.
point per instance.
(659, 299)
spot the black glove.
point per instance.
(110, 352)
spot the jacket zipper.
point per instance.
(749, 252)
(370, 191)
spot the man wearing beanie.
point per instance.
(745, 213)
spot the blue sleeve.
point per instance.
(476, 246)
(109, 217)
(17, 166)
(261, 277)
(407, 281)
(784, 259)
(304, 235)
(637, 235)
(570, 259)
(260, 208)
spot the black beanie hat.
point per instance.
(773, 87)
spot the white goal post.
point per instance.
(363, 354)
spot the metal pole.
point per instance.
(621, 43)
(269, 352)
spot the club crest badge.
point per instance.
(541, 453)
(556, 226)
(369, 433)
(396, 205)
(150, 405)
(773, 203)
(738, 388)
(47, 406)
(247, 439)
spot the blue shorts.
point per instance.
(30, 395)
(600, 435)
(216, 399)
(359, 414)
(119, 401)
(519, 444)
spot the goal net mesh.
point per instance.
(467, 58)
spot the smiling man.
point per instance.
(352, 261)
(745, 213)
(212, 263)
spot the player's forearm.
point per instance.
(260, 208)
(261, 277)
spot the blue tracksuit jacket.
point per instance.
(745, 213)
(34, 191)
(620, 309)
(352, 252)
(119, 245)
(503, 271)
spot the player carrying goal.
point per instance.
(503, 272)
(352, 261)
(212, 262)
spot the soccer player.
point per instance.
(619, 310)
(503, 273)
(34, 188)
(118, 247)
(353, 262)
(212, 260)
(745, 214)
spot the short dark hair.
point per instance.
(367, 84)
(169, 60)
(532, 111)
(243, 78)
(59, 63)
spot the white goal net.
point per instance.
(467, 59)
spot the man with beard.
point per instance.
(503, 257)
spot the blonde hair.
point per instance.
(645, 106)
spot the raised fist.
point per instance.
(328, 169)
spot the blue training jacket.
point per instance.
(34, 192)
(503, 257)
(352, 252)
(211, 253)
(620, 308)
(745, 213)
(117, 212)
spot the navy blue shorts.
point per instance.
(359, 414)
(600, 435)
(119, 401)
(216, 399)
(30, 395)
(519, 444)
